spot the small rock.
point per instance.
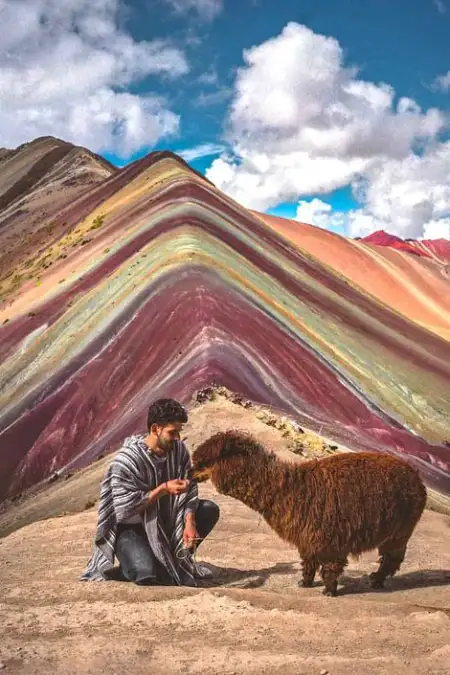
(297, 427)
(324, 672)
(203, 395)
(2, 666)
(54, 476)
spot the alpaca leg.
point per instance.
(309, 569)
(330, 573)
(392, 554)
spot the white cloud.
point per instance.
(442, 82)
(437, 229)
(316, 212)
(319, 213)
(217, 94)
(198, 151)
(212, 98)
(440, 6)
(209, 77)
(303, 123)
(260, 180)
(408, 197)
(64, 70)
(206, 9)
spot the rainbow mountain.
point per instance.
(120, 286)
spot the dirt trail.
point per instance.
(252, 619)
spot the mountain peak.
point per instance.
(381, 238)
(159, 155)
(437, 249)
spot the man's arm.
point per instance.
(192, 496)
(128, 496)
(152, 497)
(173, 487)
(189, 519)
(126, 484)
(126, 487)
(190, 533)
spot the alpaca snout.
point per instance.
(199, 475)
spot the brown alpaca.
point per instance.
(329, 509)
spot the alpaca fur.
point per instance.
(329, 508)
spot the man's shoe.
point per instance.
(201, 571)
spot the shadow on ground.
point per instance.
(348, 585)
(230, 576)
(400, 582)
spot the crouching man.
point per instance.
(149, 514)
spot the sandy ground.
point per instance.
(253, 618)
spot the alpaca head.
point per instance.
(220, 451)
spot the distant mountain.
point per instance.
(37, 181)
(437, 249)
(5, 153)
(42, 162)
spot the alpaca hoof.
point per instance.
(330, 593)
(305, 584)
(377, 585)
(375, 582)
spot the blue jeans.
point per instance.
(136, 558)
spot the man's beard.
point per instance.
(165, 445)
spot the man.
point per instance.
(149, 515)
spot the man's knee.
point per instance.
(209, 510)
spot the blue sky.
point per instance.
(256, 94)
(406, 49)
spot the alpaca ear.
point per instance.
(222, 445)
(232, 444)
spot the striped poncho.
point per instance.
(125, 487)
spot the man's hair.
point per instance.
(165, 411)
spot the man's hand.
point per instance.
(190, 534)
(176, 487)
(171, 487)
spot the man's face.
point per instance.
(167, 435)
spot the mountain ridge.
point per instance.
(169, 210)
(154, 251)
(437, 249)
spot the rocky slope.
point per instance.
(37, 181)
(410, 277)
